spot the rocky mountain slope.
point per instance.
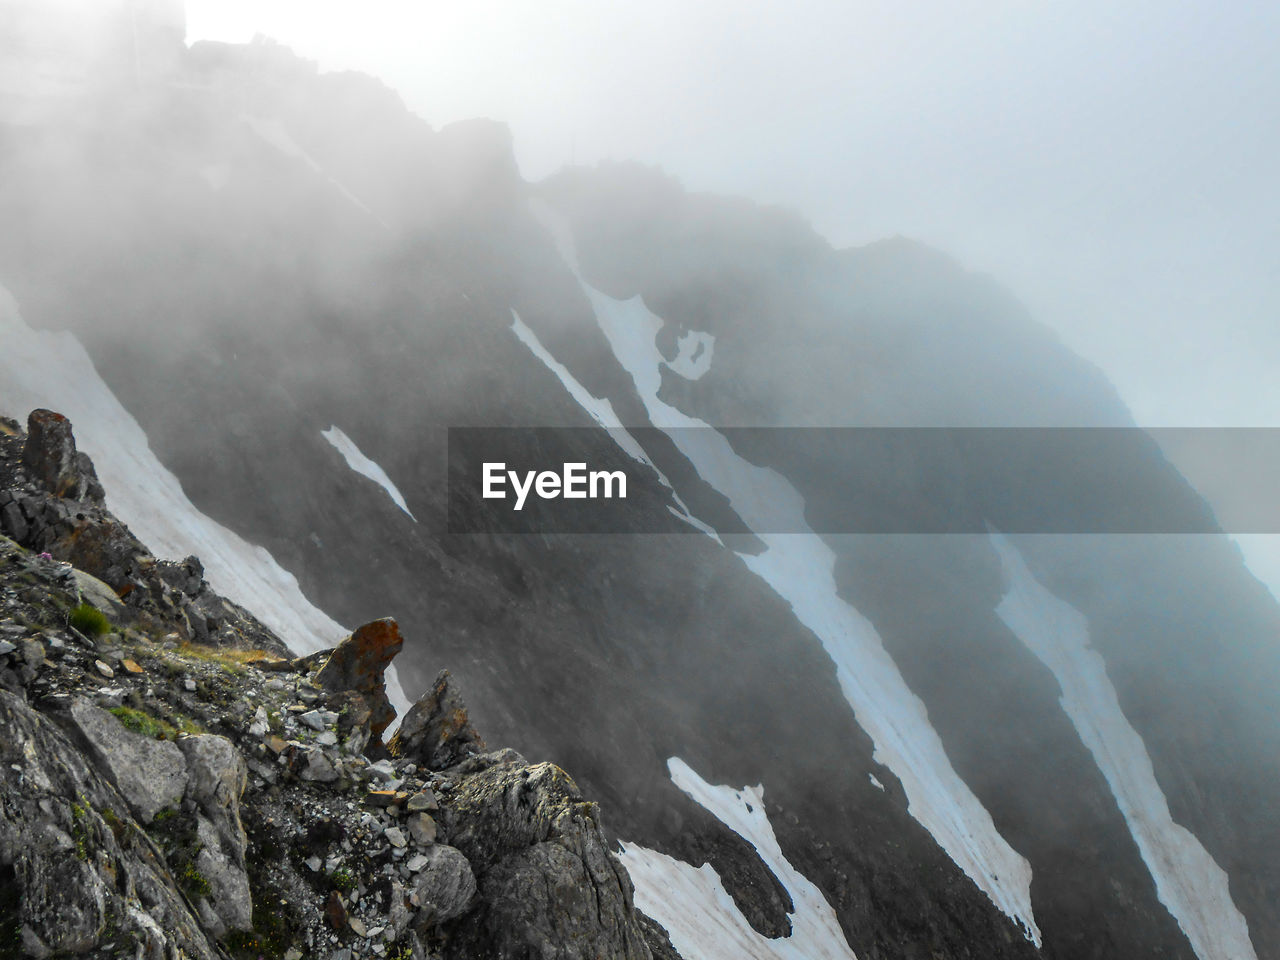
(882, 746)
(177, 784)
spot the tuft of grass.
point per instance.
(230, 660)
(89, 620)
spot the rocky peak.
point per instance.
(51, 457)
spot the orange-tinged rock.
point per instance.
(132, 666)
(358, 663)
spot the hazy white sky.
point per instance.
(1111, 162)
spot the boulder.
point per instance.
(151, 774)
(550, 889)
(216, 780)
(357, 665)
(437, 731)
(443, 887)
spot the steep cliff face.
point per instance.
(266, 253)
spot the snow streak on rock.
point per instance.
(273, 133)
(362, 465)
(44, 369)
(800, 569)
(601, 411)
(701, 917)
(1188, 881)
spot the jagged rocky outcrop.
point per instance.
(52, 502)
(437, 730)
(164, 797)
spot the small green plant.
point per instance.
(89, 620)
(193, 882)
(79, 831)
(343, 880)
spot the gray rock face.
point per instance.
(50, 455)
(81, 870)
(217, 778)
(94, 591)
(151, 774)
(550, 888)
(221, 863)
(444, 886)
(437, 730)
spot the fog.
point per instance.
(1112, 164)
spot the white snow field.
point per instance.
(362, 465)
(701, 917)
(800, 569)
(1188, 881)
(45, 369)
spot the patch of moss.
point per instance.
(145, 724)
(193, 882)
(89, 620)
(78, 832)
(343, 880)
(119, 828)
(157, 728)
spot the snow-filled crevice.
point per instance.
(46, 369)
(1188, 881)
(601, 411)
(692, 904)
(362, 465)
(800, 567)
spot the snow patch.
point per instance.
(693, 354)
(362, 465)
(698, 913)
(800, 569)
(1188, 881)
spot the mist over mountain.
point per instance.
(264, 293)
